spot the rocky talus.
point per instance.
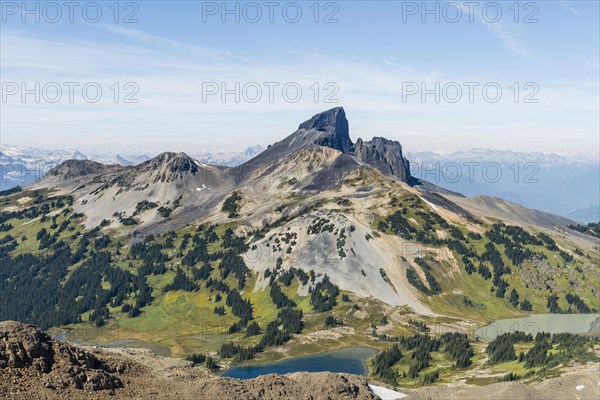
(29, 356)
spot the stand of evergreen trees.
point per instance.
(323, 295)
(241, 308)
(537, 356)
(421, 345)
(502, 348)
(579, 304)
(234, 264)
(277, 332)
(331, 322)
(383, 363)
(458, 347)
(181, 282)
(279, 298)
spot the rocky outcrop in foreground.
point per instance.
(33, 365)
(29, 356)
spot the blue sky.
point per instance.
(367, 62)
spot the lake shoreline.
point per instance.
(594, 328)
(352, 359)
(579, 324)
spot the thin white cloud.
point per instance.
(508, 36)
(155, 40)
(402, 67)
(568, 5)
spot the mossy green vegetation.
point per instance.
(424, 359)
(503, 271)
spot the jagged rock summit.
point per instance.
(384, 155)
(331, 129)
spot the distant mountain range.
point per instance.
(567, 184)
(20, 165)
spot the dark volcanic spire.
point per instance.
(334, 127)
(386, 156)
(329, 128)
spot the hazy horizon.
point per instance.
(233, 148)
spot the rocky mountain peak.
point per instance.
(171, 162)
(334, 129)
(77, 155)
(253, 150)
(329, 129)
(72, 169)
(385, 155)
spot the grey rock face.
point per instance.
(334, 127)
(170, 165)
(384, 155)
(329, 129)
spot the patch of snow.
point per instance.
(430, 204)
(199, 189)
(580, 388)
(386, 394)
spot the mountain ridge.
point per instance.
(303, 240)
(328, 129)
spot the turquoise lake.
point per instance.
(350, 360)
(551, 323)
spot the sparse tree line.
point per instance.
(547, 352)
(489, 264)
(592, 229)
(566, 347)
(277, 332)
(420, 347)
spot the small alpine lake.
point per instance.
(533, 324)
(125, 343)
(349, 360)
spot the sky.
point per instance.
(194, 75)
